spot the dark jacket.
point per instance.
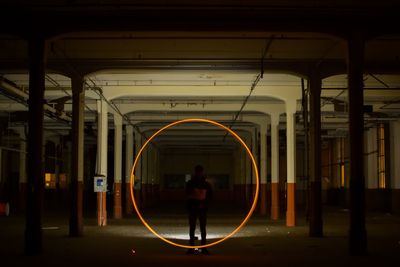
(198, 192)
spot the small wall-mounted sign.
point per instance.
(100, 184)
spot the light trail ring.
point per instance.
(254, 164)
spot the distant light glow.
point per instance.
(254, 164)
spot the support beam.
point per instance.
(275, 166)
(254, 150)
(263, 168)
(248, 170)
(102, 136)
(355, 60)
(371, 158)
(291, 162)
(315, 226)
(138, 170)
(128, 168)
(22, 169)
(77, 164)
(117, 165)
(144, 178)
(395, 166)
(34, 198)
(1, 165)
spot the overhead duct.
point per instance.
(17, 94)
(13, 89)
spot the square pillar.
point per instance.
(291, 162)
(34, 194)
(315, 226)
(275, 166)
(355, 61)
(22, 168)
(129, 154)
(371, 158)
(395, 165)
(145, 177)
(263, 167)
(137, 186)
(102, 144)
(77, 159)
(117, 165)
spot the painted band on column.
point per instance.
(263, 199)
(291, 211)
(117, 201)
(274, 201)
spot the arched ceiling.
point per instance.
(164, 64)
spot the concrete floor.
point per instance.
(261, 243)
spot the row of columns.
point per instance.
(274, 165)
(357, 233)
(33, 232)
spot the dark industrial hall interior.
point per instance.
(108, 109)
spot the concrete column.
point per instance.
(395, 165)
(245, 174)
(102, 140)
(263, 168)
(117, 165)
(145, 177)
(316, 225)
(256, 154)
(355, 60)
(68, 163)
(371, 159)
(22, 168)
(247, 171)
(138, 170)
(338, 163)
(1, 165)
(373, 200)
(239, 185)
(129, 162)
(275, 166)
(57, 162)
(291, 162)
(34, 198)
(76, 185)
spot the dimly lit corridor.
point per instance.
(292, 108)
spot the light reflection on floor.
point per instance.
(180, 232)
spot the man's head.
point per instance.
(198, 170)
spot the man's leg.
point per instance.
(192, 225)
(203, 224)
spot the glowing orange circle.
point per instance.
(253, 206)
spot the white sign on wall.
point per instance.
(100, 184)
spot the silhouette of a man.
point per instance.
(198, 192)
